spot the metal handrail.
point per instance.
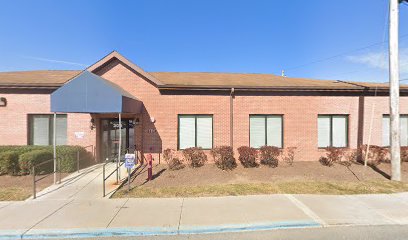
(78, 159)
(46, 175)
(105, 178)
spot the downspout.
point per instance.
(232, 118)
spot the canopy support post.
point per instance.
(54, 143)
(120, 144)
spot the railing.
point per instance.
(117, 170)
(47, 175)
(78, 159)
(106, 177)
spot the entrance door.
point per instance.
(110, 138)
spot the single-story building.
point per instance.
(177, 110)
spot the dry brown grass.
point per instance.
(14, 194)
(289, 187)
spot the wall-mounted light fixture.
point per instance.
(92, 124)
(3, 102)
(137, 121)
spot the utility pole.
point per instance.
(394, 92)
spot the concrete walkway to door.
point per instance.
(87, 184)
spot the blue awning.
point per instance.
(90, 93)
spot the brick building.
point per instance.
(181, 110)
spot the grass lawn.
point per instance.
(18, 188)
(301, 178)
(314, 187)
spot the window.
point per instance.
(41, 129)
(265, 130)
(403, 130)
(195, 131)
(332, 131)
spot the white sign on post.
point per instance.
(130, 160)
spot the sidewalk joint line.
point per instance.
(392, 221)
(120, 208)
(181, 212)
(49, 215)
(85, 185)
(306, 210)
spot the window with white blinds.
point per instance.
(41, 129)
(332, 131)
(403, 130)
(195, 131)
(265, 130)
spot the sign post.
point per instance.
(129, 164)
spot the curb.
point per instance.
(155, 231)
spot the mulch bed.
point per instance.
(209, 174)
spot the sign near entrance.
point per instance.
(79, 135)
(130, 160)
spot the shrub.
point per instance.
(195, 156)
(325, 161)
(9, 163)
(67, 156)
(404, 154)
(29, 159)
(247, 156)
(289, 155)
(172, 161)
(333, 155)
(224, 157)
(376, 154)
(350, 157)
(269, 156)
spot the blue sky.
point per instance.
(249, 36)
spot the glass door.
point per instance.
(110, 138)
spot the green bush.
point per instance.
(9, 163)
(68, 157)
(29, 159)
(195, 157)
(66, 154)
(224, 157)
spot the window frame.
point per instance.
(331, 129)
(30, 135)
(195, 129)
(389, 127)
(266, 128)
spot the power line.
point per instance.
(341, 54)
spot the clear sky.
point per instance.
(248, 36)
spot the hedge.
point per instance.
(29, 159)
(9, 163)
(66, 154)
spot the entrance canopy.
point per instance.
(90, 93)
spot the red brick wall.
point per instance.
(299, 115)
(14, 119)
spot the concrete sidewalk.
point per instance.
(78, 217)
(86, 184)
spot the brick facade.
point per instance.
(299, 110)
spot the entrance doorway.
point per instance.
(110, 138)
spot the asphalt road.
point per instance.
(394, 232)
